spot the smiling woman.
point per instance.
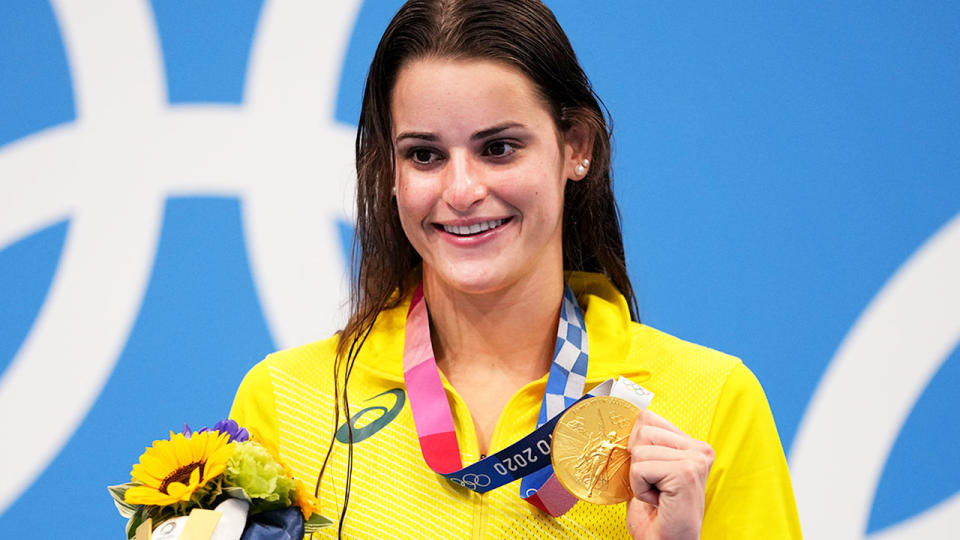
(485, 208)
(491, 292)
(485, 213)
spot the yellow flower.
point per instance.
(171, 471)
(308, 504)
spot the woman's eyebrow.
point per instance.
(483, 134)
(415, 135)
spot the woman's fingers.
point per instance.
(659, 469)
(650, 418)
(647, 452)
(670, 477)
(649, 421)
(651, 429)
(648, 436)
(668, 470)
(659, 436)
(644, 489)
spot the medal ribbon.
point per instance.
(528, 458)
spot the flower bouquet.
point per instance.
(218, 483)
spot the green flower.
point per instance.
(265, 481)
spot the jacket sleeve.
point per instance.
(254, 407)
(749, 494)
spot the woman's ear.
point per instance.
(577, 150)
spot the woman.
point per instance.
(483, 191)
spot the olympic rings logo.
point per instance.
(472, 481)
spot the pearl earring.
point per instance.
(581, 168)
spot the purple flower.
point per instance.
(228, 426)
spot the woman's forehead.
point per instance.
(463, 95)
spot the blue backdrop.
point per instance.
(775, 165)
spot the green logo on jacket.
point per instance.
(387, 416)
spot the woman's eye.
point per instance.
(423, 156)
(499, 149)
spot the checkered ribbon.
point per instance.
(568, 374)
(528, 458)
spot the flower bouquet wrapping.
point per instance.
(218, 483)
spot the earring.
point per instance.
(393, 191)
(581, 168)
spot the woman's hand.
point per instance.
(668, 474)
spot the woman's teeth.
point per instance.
(466, 230)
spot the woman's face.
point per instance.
(481, 170)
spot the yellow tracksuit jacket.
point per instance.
(288, 398)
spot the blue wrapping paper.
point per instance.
(286, 524)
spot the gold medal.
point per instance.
(589, 449)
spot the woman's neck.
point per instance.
(490, 345)
(511, 331)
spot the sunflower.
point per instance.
(171, 471)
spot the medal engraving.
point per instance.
(589, 454)
(594, 466)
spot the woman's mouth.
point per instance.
(474, 229)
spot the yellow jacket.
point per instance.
(711, 396)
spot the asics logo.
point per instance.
(368, 430)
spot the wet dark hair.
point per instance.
(522, 34)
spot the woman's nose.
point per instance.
(463, 182)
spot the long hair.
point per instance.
(526, 36)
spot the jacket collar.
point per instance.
(605, 313)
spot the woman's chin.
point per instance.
(469, 281)
(474, 281)
(468, 285)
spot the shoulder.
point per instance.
(308, 353)
(280, 369)
(297, 361)
(268, 389)
(690, 381)
(661, 352)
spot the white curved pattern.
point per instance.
(941, 521)
(115, 61)
(111, 170)
(291, 88)
(95, 295)
(877, 374)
